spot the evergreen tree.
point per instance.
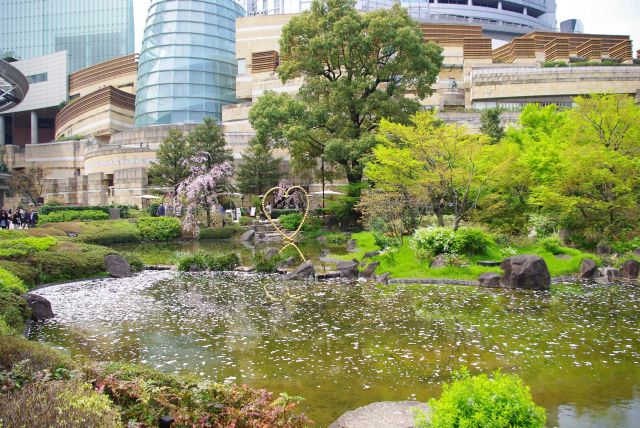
(491, 124)
(170, 167)
(259, 170)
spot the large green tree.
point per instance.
(259, 170)
(357, 69)
(208, 138)
(170, 168)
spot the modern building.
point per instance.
(90, 32)
(572, 26)
(500, 19)
(187, 63)
(13, 88)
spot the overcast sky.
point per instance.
(598, 17)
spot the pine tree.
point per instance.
(259, 170)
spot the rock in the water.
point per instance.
(248, 236)
(305, 271)
(608, 275)
(117, 266)
(439, 261)
(526, 271)
(370, 271)
(289, 262)
(489, 279)
(347, 270)
(371, 254)
(40, 307)
(385, 414)
(384, 278)
(588, 268)
(630, 269)
(351, 245)
(603, 249)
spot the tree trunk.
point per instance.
(208, 208)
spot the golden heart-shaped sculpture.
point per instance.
(287, 192)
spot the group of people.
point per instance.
(20, 219)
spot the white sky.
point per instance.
(598, 17)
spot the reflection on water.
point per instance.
(343, 345)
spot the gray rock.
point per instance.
(608, 275)
(348, 270)
(603, 249)
(351, 245)
(271, 253)
(40, 307)
(630, 269)
(563, 257)
(439, 261)
(384, 278)
(305, 271)
(289, 262)
(325, 252)
(322, 239)
(588, 268)
(385, 414)
(117, 266)
(370, 271)
(248, 236)
(371, 254)
(489, 279)
(526, 271)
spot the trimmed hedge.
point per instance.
(25, 246)
(11, 283)
(278, 212)
(220, 232)
(86, 261)
(159, 228)
(124, 209)
(113, 232)
(207, 261)
(28, 274)
(14, 311)
(67, 215)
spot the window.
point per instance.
(242, 66)
(37, 78)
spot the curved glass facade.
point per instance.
(187, 66)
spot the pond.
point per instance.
(342, 345)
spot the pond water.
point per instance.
(342, 345)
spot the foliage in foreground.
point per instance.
(10, 282)
(201, 260)
(265, 264)
(158, 228)
(13, 313)
(220, 232)
(25, 246)
(67, 215)
(38, 382)
(499, 401)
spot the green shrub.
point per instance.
(159, 228)
(112, 232)
(622, 247)
(12, 234)
(444, 240)
(290, 221)
(11, 283)
(265, 264)
(153, 209)
(279, 212)
(134, 260)
(124, 209)
(25, 246)
(207, 261)
(500, 401)
(67, 215)
(86, 261)
(552, 244)
(336, 239)
(38, 357)
(28, 274)
(246, 221)
(220, 232)
(383, 241)
(14, 311)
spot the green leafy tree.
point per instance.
(170, 168)
(491, 124)
(357, 69)
(207, 138)
(259, 170)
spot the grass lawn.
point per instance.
(404, 264)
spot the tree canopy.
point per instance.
(356, 69)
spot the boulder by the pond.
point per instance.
(40, 307)
(630, 269)
(603, 249)
(370, 254)
(526, 271)
(384, 414)
(489, 279)
(370, 271)
(348, 270)
(383, 278)
(117, 266)
(588, 268)
(305, 271)
(439, 261)
(608, 275)
(351, 245)
(271, 253)
(248, 236)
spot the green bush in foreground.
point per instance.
(28, 274)
(442, 240)
(159, 228)
(11, 283)
(13, 313)
(220, 232)
(265, 264)
(60, 216)
(25, 246)
(499, 401)
(112, 232)
(207, 261)
(290, 221)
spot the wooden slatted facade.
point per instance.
(518, 48)
(102, 72)
(623, 51)
(557, 50)
(264, 61)
(450, 34)
(477, 48)
(591, 50)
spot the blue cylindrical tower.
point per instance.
(187, 66)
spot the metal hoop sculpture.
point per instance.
(288, 237)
